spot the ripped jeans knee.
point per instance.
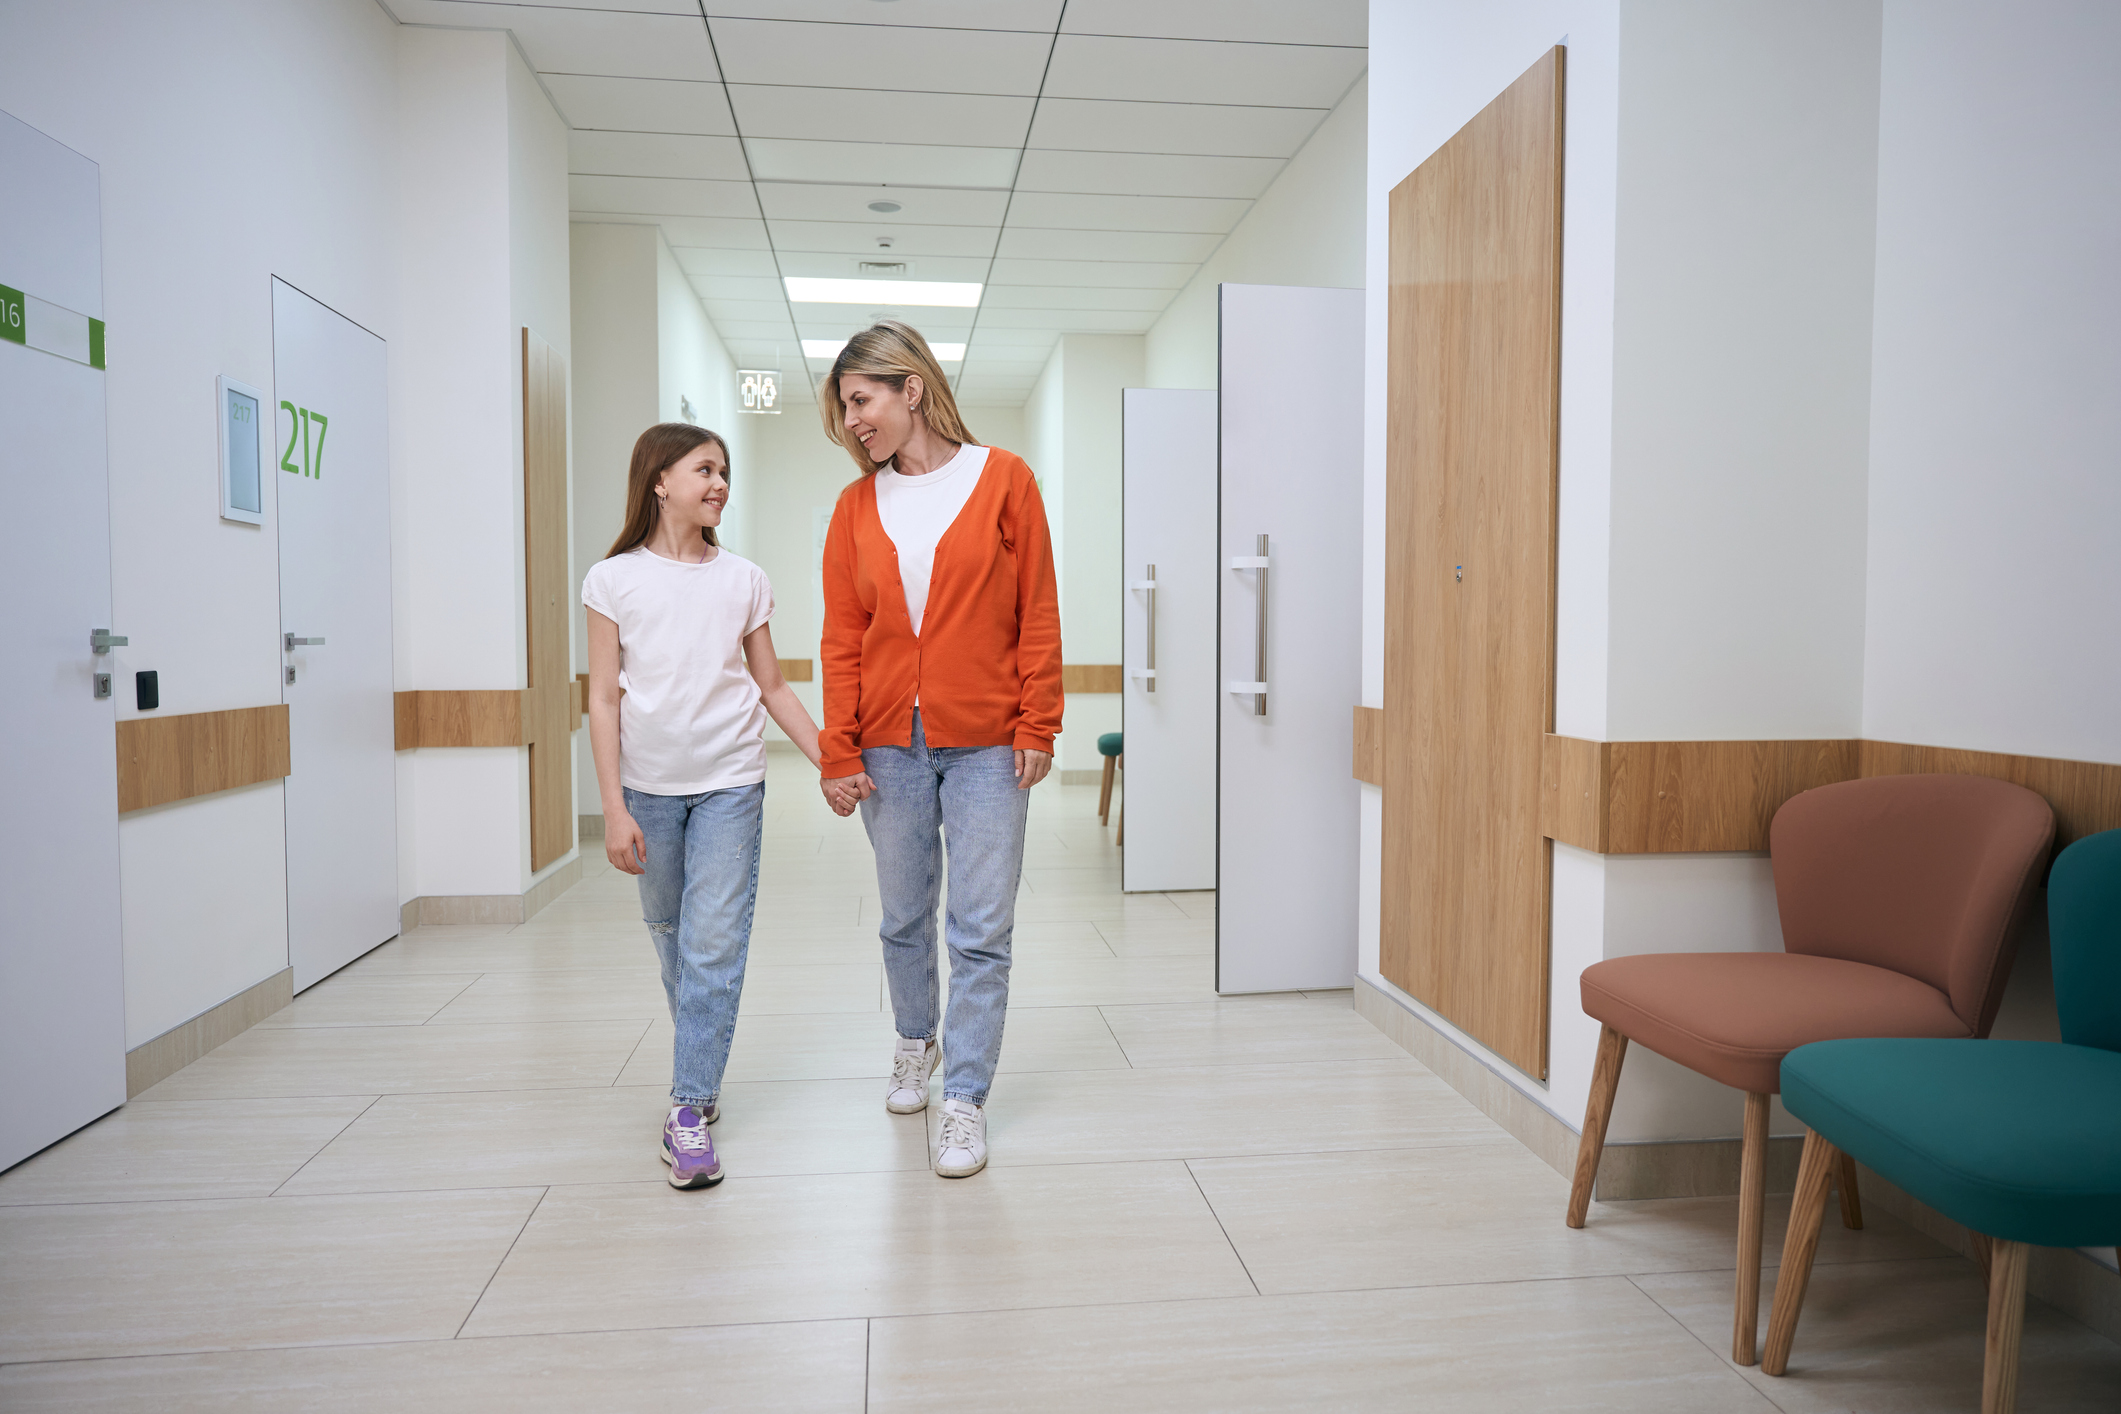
(662, 927)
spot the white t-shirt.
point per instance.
(916, 510)
(691, 720)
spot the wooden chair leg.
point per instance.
(1807, 1211)
(1104, 795)
(1851, 1200)
(1605, 1079)
(2006, 1322)
(1984, 1258)
(1752, 1212)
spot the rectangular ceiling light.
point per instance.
(809, 289)
(829, 349)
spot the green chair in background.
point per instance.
(1109, 747)
(2018, 1140)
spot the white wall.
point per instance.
(191, 240)
(1994, 495)
(1305, 229)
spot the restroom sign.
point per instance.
(759, 390)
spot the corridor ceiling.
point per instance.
(1080, 158)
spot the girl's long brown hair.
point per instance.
(658, 450)
(890, 352)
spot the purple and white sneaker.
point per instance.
(688, 1150)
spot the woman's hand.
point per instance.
(624, 845)
(1031, 768)
(843, 793)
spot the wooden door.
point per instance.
(1472, 438)
(548, 697)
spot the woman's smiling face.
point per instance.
(878, 415)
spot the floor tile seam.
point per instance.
(1713, 1353)
(472, 1310)
(319, 1150)
(638, 1042)
(279, 1197)
(1107, 1023)
(1243, 1265)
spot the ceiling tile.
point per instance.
(1165, 275)
(1040, 243)
(989, 336)
(853, 113)
(610, 154)
(932, 206)
(739, 287)
(840, 320)
(860, 238)
(1126, 213)
(880, 163)
(918, 267)
(1147, 174)
(574, 41)
(759, 329)
(1105, 125)
(1258, 21)
(1191, 71)
(742, 311)
(757, 264)
(661, 195)
(725, 233)
(641, 105)
(1076, 321)
(1072, 297)
(1039, 15)
(882, 56)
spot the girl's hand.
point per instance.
(624, 845)
(1031, 767)
(843, 793)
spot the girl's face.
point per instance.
(695, 488)
(880, 416)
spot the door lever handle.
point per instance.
(293, 642)
(102, 640)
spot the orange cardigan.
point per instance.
(987, 663)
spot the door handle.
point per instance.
(1148, 586)
(293, 642)
(1258, 686)
(102, 640)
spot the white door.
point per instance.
(1291, 635)
(332, 450)
(62, 961)
(1167, 532)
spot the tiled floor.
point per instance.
(431, 1184)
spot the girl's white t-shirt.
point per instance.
(916, 510)
(691, 720)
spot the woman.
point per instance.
(942, 698)
(682, 676)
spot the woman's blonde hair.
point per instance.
(890, 352)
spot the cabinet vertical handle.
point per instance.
(1148, 586)
(1259, 700)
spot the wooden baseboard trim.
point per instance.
(1692, 797)
(163, 759)
(1094, 776)
(1676, 1169)
(1078, 679)
(445, 910)
(152, 1062)
(589, 827)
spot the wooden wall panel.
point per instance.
(1370, 745)
(796, 669)
(475, 718)
(2086, 795)
(1685, 797)
(1092, 677)
(548, 697)
(1572, 792)
(161, 759)
(1473, 420)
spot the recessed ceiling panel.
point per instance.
(572, 41)
(726, 233)
(1039, 15)
(740, 287)
(882, 56)
(758, 329)
(1073, 297)
(1167, 275)
(880, 163)
(1147, 174)
(930, 206)
(661, 195)
(751, 264)
(741, 311)
(860, 115)
(1191, 71)
(862, 239)
(837, 321)
(1106, 125)
(642, 105)
(1126, 213)
(1041, 243)
(1074, 321)
(918, 267)
(609, 154)
(1257, 21)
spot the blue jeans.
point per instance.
(697, 899)
(968, 796)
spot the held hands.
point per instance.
(624, 845)
(843, 793)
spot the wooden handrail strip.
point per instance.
(161, 759)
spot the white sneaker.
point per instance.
(911, 1065)
(962, 1150)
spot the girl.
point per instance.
(682, 676)
(942, 698)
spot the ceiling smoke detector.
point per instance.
(885, 208)
(886, 242)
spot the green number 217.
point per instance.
(298, 431)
